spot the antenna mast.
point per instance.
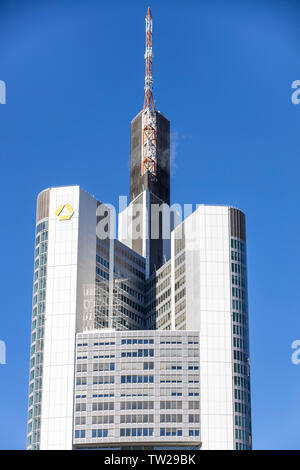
(149, 162)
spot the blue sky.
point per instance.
(74, 73)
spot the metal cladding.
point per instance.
(238, 224)
(42, 208)
(158, 184)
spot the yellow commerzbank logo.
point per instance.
(64, 212)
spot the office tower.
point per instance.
(140, 341)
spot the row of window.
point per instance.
(101, 356)
(136, 432)
(102, 261)
(241, 408)
(130, 314)
(128, 379)
(241, 395)
(240, 343)
(138, 353)
(98, 406)
(41, 237)
(239, 269)
(239, 281)
(177, 366)
(238, 245)
(241, 435)
(102, 343)
(180, 259)
(130, 256)
(241, 382)
(131, 291)
(180, 295)
(239, 305)
(128, 419)
(239, 318)
(102, 273)
(119, 261)
(178, 379)
(137, 405)
(131, 303)
(106, 379)
(240, 369)
(96, 367)
(240, 331)
(137, 341)
(240, 257)
(103, 419)
(239, 293)
(163, 297)
(240, 356)
(163, 285)
(166, 432)
(137, 366)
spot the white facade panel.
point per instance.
(71, 265)
(208, 309)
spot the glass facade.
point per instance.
(37, 336)
(240, 346)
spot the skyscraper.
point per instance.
(140, 341)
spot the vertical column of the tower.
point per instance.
(149, 242)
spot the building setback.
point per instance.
(140, 341)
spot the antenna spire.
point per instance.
(149, 115)
(148, 101)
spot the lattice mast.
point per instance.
(149, 162)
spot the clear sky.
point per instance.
(223, 70)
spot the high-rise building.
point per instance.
(140, 341)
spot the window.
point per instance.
(137, 405)
(106, 419)
(138, 353)
(104, 366)
(100, 433)
(126, 379)
(81, 381)
(170, 405)
(148, 365)
(103, 405)
(171, 418)
(136, 432)
(80, 407)
(194, 418)
(194, 405)
(105, 379)
(80, 420)
(136, 418)
(79, 434)
(166, 432)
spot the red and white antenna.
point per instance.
(149, 116)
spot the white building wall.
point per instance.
(208, 309)
(132, 223)
(71, 263)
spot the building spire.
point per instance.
(149, 161)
